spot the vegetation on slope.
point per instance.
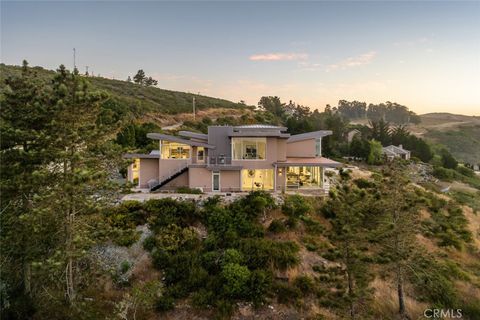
(135, 98)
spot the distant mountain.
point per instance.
(138, 99)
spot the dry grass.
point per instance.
(385, 303)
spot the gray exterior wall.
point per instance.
(219, 137)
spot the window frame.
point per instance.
(242, 149)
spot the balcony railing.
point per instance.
(219, 161)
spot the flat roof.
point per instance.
(194, 135)
(160, 136)
(140, 156)
(316, 162)
(309, 135)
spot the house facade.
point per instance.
(232, 159)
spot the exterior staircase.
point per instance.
(169, 178)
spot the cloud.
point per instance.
(360, 60)
(278, 56)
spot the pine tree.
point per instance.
(397, 228)
(139, 78)
(80, 171)
(349, 204)
(24, 144)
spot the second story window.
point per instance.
(249, 148)
(174, 150)
(318, 147)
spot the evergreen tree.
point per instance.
(375, 155)
(348, 204)
(150, 82)
(397, 227)
(139, 78)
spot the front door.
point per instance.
(215, 181)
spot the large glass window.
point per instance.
(249, 148)
(259, 179)
(175, 150)
(304, 177)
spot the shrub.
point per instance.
(364, 183)
(296, 206)
(466, 171)
(304, 283)
(277, 226)
(189, 190)
(236, 278)
(232, 256)
(286, 293)
(164, 212)
(259, 285)
(165, 303)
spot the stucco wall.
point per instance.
(180, 181)
(301, 149)
(202, 178)
(281, 149)
(148, 171)
(230, 180)
(168, 166)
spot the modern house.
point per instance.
(233, 158)
(392, 152)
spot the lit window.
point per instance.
(174, 150)
(249, 148)
(200, 154)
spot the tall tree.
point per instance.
(24, 152)
(348, 205)
(398, 225)
(139, 78)
(381, 131)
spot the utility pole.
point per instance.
(86, 71)
(193, 108)
(74, 59)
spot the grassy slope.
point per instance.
(458, 133)
(140, 99)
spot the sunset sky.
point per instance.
(425, 55)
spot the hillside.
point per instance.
(460, 134)
(137, 98)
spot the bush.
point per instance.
(286, 293)
(466, 171)
(304, 283)
(364, 183)
(296, 206)
(189, 190)
(164, 212)
(236, 279)
(277, 226)
(259, 285)
(165, 303)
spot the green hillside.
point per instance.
(137, 98)
(463, 142)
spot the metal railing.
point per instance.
(219, 160)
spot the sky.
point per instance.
(425, 55)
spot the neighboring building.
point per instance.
(233, 158)
(392, 152)
(352, 133)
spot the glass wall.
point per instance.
(175, 150)
(304, 177)
(249, 148)
(259, 179)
